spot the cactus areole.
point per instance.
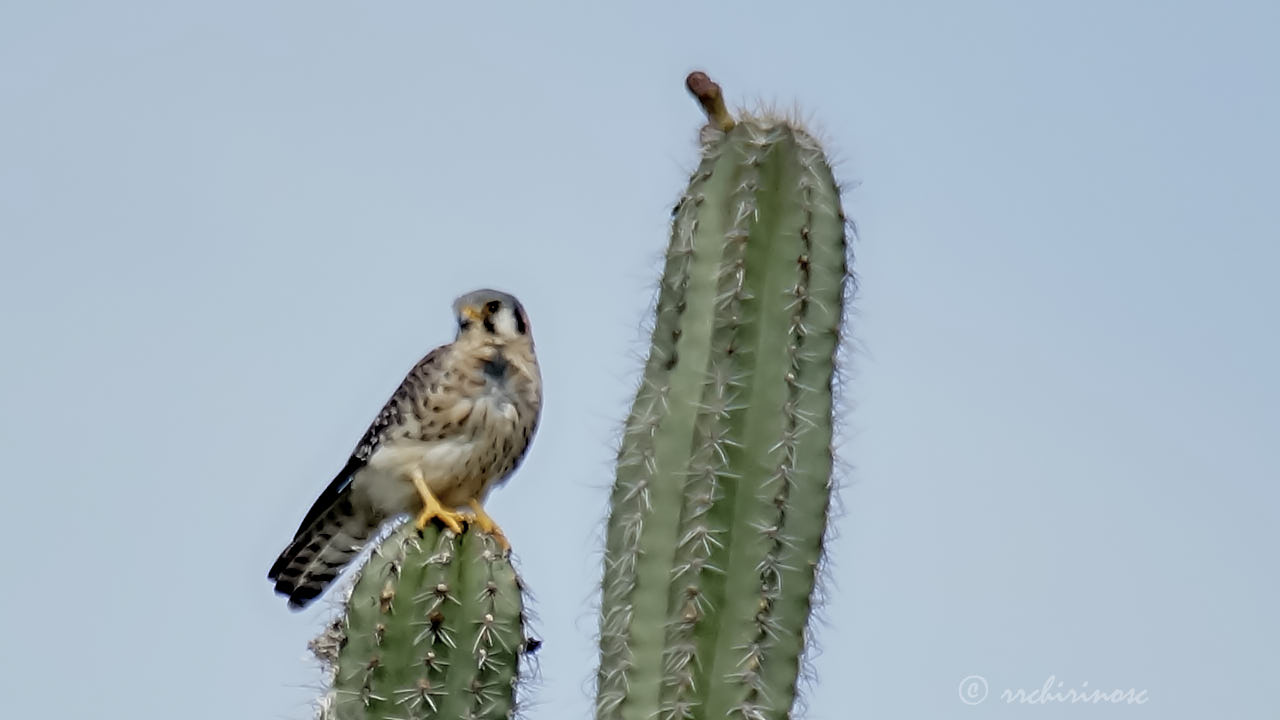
(724, 473)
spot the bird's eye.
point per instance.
(493, 306)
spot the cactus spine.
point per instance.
(724, 473)
(434, 628)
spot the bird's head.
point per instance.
(490, 315)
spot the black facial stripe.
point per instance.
(520, 328)
(488, 324)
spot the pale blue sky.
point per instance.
(226, 231)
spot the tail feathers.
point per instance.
(320, 551)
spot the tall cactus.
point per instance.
(724, 473)
(434, 628)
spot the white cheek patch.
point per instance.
(505, 322)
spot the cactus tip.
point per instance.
(708, 95)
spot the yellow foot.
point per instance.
(486, 524)
(451, 519)
(431, 508)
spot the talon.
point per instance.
(431, 508)
(451, 520)
(487, 525)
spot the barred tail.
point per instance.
(321, 550)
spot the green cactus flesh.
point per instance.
(724, 472)
(434, 628)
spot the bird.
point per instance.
(458, 426)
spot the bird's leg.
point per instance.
(431, 507)
(486, 524)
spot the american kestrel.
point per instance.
(456, 428)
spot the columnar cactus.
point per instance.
(433, 628)
(724, 472)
